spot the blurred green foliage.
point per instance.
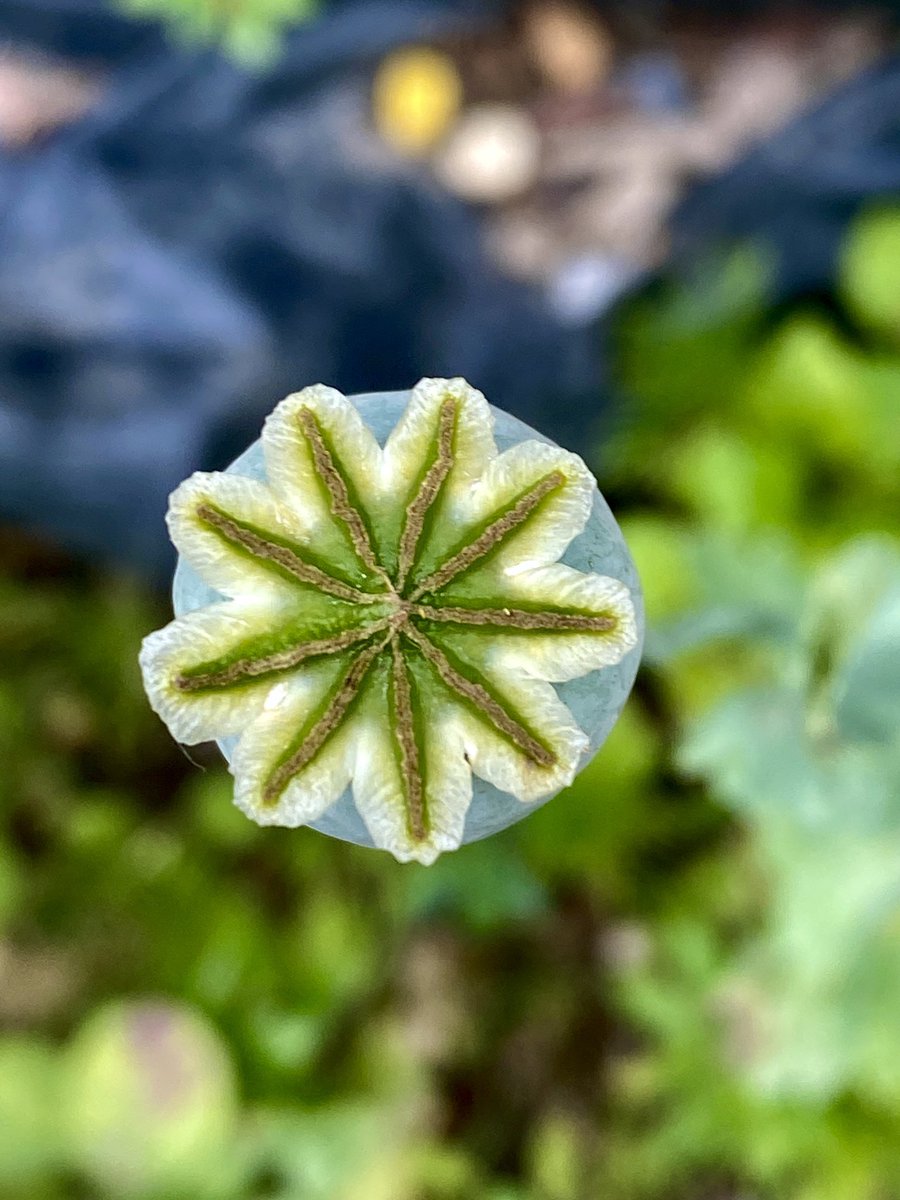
(762, 462)
(678, 980)
(250, 32)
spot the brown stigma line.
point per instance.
(338, 491)
(266, 550)
(428, 491)
(496, 532)
(282, 660)
(488, 707)
(326, 725)
(404, 728)
(514, 618)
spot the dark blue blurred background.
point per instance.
(205, 238)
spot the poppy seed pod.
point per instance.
(406, 618)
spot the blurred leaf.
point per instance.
(853, 626)
(813, 391)
(869, 271)
(13, 887)
(317, 1154)
(750, 589)
(484, 886)
(210, 797)
(415, 1171)
(250, 30)
(30, 1144)
(848, 588)
(595, 830)
(731, 483)
(228, 965)
(684, 342)
(557, 1158)
(286, 1040)
(867, 691)
(661, 551)
(758, 755)
(98, 823)
(828, 967)
(331, 949)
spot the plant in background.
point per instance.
(250, 30)
(678, 980)
(773, 592)
(396, 617)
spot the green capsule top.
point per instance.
(407, 618)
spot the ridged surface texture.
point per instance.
(406, 618)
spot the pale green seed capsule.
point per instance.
(406, 618)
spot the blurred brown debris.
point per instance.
(38, 96)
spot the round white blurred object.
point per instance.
(492, 154)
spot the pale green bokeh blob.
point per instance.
(148, 1102)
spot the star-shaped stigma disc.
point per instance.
(393, 619)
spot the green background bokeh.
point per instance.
(681, 978)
